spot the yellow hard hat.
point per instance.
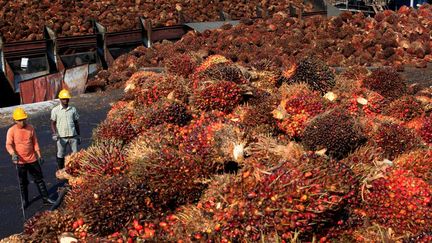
(19, 114)
(64, 94)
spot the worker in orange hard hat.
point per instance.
(23, 146)
(65, 127)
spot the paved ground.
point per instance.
(92, 108)
(421, 76)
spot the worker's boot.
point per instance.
(24, 196)
(44, 193)
(60, 163)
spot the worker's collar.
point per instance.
(21, 127)
(66, 108)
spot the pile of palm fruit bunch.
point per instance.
(213, 150)
(389, 38)
(70, 18)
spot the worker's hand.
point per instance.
(79, 140)
(41, 160)
(15, 158)
(55, 137)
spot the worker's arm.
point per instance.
(10, 147)
(76, 118)
(36, 144)
(77, 128)
(53, 127)
(54, 121)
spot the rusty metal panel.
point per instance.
(75, 79)
(40, 89)
(54, 85)
(10, 76)
(27, 92)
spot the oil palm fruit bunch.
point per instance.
(209, 62)
(364, 102)
(215, 140)
(426, 129)
(334, 131)
(419, 162)
(368, 233)
(225, 72)
(185, 224)
(175, 177)
(297, 197)
(72, 163)
(363, 160)
(217, 95)
(405, 108)
(147, 146)
(102, 158)
(313, 72)
(118, 108)
(149, 87)
(255, 114)
(401, 201)
(181, 64)
(164, 111)
(387, 82)
(119, 128)
(106, 204)
(393, 139)
(423, 237)
(298, 106)
(48, 226)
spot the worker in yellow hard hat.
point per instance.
(23, 146)
(65, 127)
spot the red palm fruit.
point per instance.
(48, 225)
(298, 106)
(175, 178)
(164, 111)
(419, 162)
(335, 131)
(116, 129)
(214, 140)
(400, 201)
(426, 129)
(107, 203)
(181, 64)
(283, 195)
(387, 82)
(423, 237)
(217, 95)
(394, 139)
(405, 108)
(224, 72)
(101, 159)
(255, 115)
(315, 73)
(363, 160)
(149, 87)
